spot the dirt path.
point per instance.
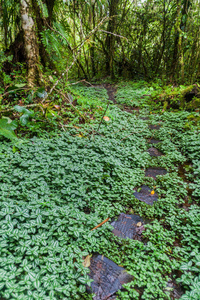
(111, 90)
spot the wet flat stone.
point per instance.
(154, 152)
(153, 172)
(176, 292)
(128, 226)
(145, 195)
(107, 277)
(154, 127)
(154, 141)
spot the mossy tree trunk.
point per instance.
(43, 22)
(110, 39)
(180, 25)
(30, 42)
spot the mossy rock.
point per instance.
(195, 103)
(188, 98)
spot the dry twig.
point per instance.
(106, 220)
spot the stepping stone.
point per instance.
(145, 195)
(154, 152)
(128, 226)
(107, 277)
(156, 127)
(153, 172)
(176, 292)
(154, 141)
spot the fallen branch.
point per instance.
(106, 220)
(123, 37)
(29, 105)
(22, 88)
(131, 134)
(83, 80)
(103, 115)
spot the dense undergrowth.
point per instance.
(55, 187)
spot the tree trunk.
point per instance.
(30, 42)
(92, 49)
(43, 22)
(50, 5)
(110, 39)
(178, 55)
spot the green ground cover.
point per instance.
(54, 189)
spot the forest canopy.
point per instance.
(118, 38)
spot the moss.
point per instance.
(183, 95)
(178, 97)
(165, 105)
(195, 103)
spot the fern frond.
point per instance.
(43, 8)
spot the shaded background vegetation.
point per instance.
(145, 39)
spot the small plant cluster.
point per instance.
(133, 94)
(191, 146)
(30, 116)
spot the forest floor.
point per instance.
(109, 206)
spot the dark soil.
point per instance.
(153, 172)
(130, 109)
(154, 141)
(154, 152)
(111, 90)
(177, 291)
(154, 127)
(144, 118)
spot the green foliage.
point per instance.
(7, 127)
(90, 98)
(191, 146)
(149, 43)
(57, 43)
(43, 8)
(45, 222)
(27, 114)
(191, 277)
(187, 224)
(55, 189)
(174, 97)
(132, 94)
(4, 78)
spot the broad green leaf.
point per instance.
(20, 85)
(83, 280)
(41, 93)
(37, 284)
(7, 127)
(26, 114)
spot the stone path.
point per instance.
(107, 277)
